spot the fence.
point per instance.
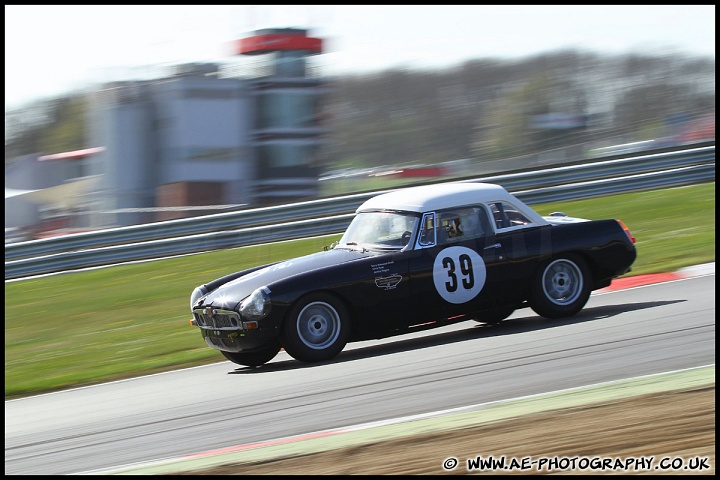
(332, 215)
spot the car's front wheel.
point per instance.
(561, 287)
(254, 358)
(317, 328)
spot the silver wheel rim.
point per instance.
(562, 282)
(318, 325)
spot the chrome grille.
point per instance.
(217, 319)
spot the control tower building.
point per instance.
(209, 138)
(287, 133)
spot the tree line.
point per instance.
(480, 109)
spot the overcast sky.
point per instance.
(51, 50)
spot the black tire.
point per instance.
(317, 328)
(254, 358)
(494, 316)
(561, 287)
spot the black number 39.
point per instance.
(465, 269)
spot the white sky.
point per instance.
(51, 50)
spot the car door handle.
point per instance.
(497, 245)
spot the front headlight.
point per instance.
(257, 305)
(196, 294)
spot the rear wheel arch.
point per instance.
(591, 264)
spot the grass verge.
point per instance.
(94, 326)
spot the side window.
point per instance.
(427, 231)
(462, 224)
(507, 215)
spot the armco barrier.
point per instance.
(667, 178)
(347, 204)
(333, 215)
(174, 246)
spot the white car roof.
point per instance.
(428, 198)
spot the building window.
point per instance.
(287, 109)
(280, 155)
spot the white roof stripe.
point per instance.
(430, 198)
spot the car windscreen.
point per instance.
(382, 229)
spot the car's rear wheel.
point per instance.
(561, 287)
(254, 358)
(494, 316)
(317, 328)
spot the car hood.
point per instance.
(229, 294)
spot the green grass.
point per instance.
(94, 326)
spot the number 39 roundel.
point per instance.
(459, 274)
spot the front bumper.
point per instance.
(225, 330)
(237, 340)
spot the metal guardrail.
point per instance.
(185, 226)
(332, 215)
(667, 178)
(345, 204)
(175, 246)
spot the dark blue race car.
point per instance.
(414, 258)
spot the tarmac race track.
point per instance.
(204, 416)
